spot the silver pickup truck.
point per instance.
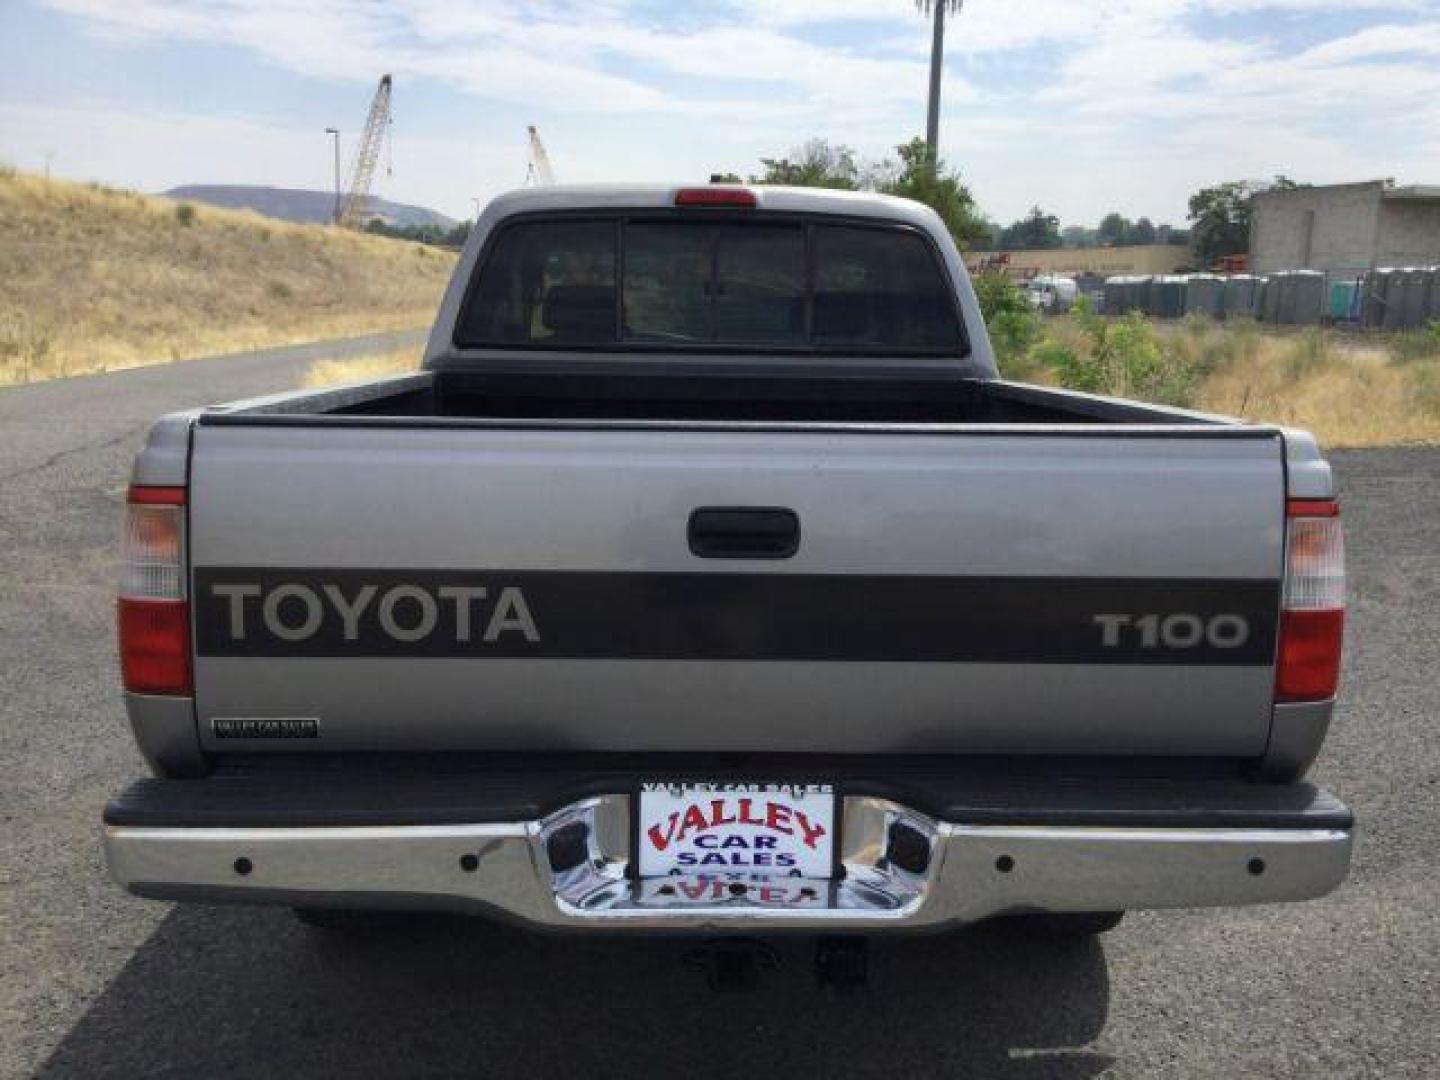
(708, 578)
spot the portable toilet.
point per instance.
(1126, 293)
(1114, 294)
(1141, 286)
(1375, 297)
(1284, 303)
(1242, 293)
(1413, 301)
(1431, 307)
(1397, 286)
(1343, 302)
(1167, 296)
(1267, 306)
(1303, 301)
(1205, 295)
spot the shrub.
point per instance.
(1012, 333)
(185, 214)
(1048, 355)
(1309, 353)
(1012, 322)
(1020, 366)
(1126, 358)
(26, 350)
(1425, 385)
(1416, 345)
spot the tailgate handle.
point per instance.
(744, 532)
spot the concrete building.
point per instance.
(1345, 229)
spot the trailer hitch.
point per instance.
(733, 965)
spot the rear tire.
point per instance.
(1066, 924)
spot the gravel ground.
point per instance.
(93, 983)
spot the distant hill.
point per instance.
(299, 204)
(92, 278)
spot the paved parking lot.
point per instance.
(93, 983)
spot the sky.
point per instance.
(1078, 106)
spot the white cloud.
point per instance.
(1144, 101)
(99, 142)
(1376, 41)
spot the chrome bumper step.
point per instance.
(948, 873)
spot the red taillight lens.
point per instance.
(154, 617)
(1312, 618)
(715, 196)
(155, 646)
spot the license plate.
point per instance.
(782, 830)
(753, 890)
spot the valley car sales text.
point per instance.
(707, 825)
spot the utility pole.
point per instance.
(936, 9)
(937, 61)
(335, 214)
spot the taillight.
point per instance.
(715, 196)
(1312, 616)
(154, 618)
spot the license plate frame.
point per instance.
(804, 806)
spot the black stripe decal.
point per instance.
(248, 611)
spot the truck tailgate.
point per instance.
(394, 586)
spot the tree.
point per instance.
(920, 176)
(1143, 232)
(938, 9)
(819, 163)
(453, 237)
(1113, 230)
(1078, 236)
(1221, 217)
(1035, 231)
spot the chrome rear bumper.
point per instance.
(950, 874)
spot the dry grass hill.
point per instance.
(92, 279)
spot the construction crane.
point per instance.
(367, 155)
(538, 171)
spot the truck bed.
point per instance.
(605, 393)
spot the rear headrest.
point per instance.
(842, 315)
(580, 312)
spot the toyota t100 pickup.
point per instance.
(709, 578)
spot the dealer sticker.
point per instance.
(760, 828)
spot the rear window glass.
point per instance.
(691, 283)
(879, 288)
(667, 282)
(547, 283)
(664, 282)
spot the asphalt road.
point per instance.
(93, 983)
